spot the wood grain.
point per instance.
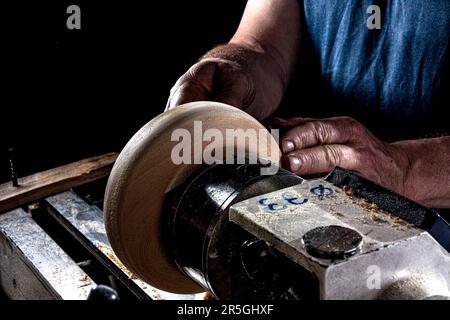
(144, 173)
(49, 182)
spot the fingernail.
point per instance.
(294, 164)
(288, 146)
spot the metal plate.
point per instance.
(86, 223)
(33, 266)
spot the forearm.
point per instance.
(266, 44)
(427, 179)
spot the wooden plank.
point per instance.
(49, 182)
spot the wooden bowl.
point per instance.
(144, 173)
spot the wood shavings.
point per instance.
(85, 281)
(376, 218)
(110, 254)
(368, 206)
(348, 191)
(84, 278)
(376, 213)
(398, 222)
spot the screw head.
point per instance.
(332, 242)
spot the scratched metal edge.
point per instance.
(22, 256)
(149, 291)
(133, 287)
(30, 266)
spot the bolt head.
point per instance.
(332, 242)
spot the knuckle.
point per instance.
(321, 131)
(194, 74)
(189, 83)
(193, 71)
(355, 154)
(333, 155)
(358, 131)
(348, 120)
(300, 139)
(356, 128)
(355, 157)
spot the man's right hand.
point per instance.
(214, 79)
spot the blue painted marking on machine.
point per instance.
(320, 191)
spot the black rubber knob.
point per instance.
(102, 292)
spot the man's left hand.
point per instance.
(312, 146)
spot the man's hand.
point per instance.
(214, 79)
(313, 146)
(252, 70)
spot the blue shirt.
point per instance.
(401, 69)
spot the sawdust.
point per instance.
(110, 254)
(348, 191)
(56, 275)
(376, 213)
(376, 218)
(398, 222)
(363, 203)
(84, 278)
(369, 206)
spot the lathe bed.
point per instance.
(59, 250)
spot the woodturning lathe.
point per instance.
(237, 233)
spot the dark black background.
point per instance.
(93, 90)
(71, 94)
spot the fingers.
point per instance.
(215, 80)
(194, 85)
(320, 159)
(318, 132)
(283, 125)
